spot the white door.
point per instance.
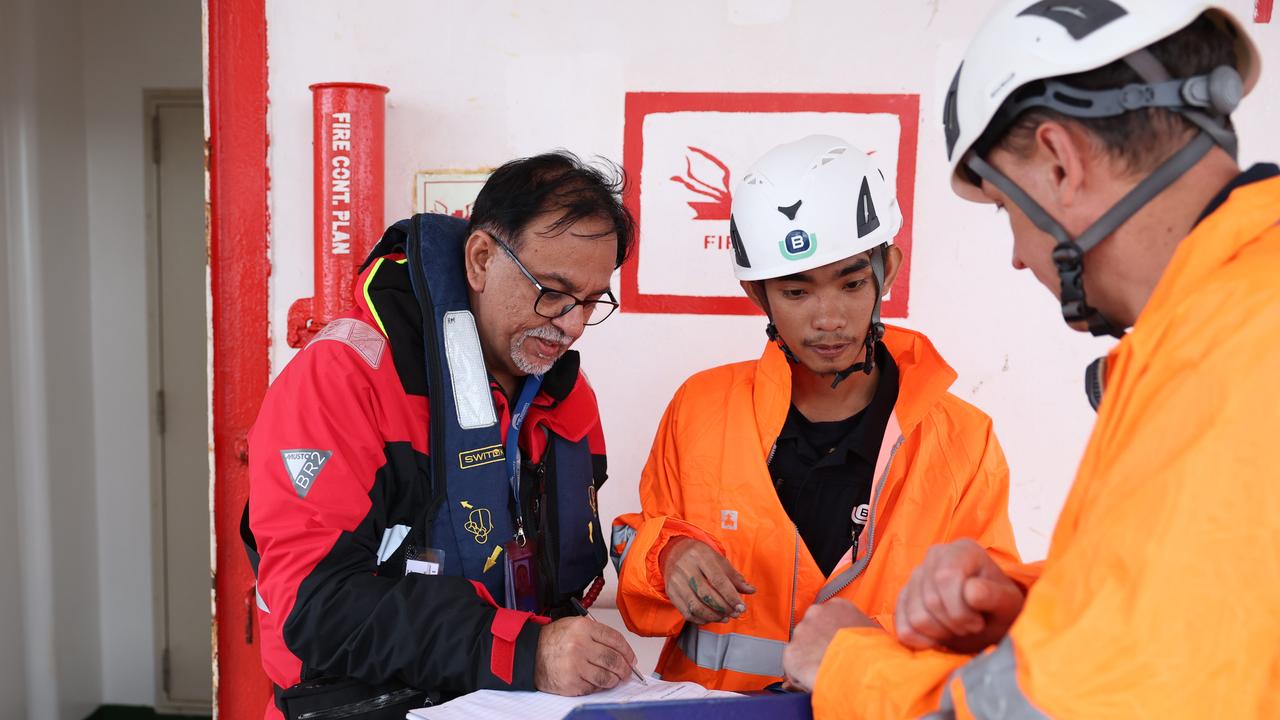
(181, 411)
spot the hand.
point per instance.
(579, 656)
(803, 656)
(701, 583)
(958, 599)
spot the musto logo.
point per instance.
(798, 245)
(481, 456)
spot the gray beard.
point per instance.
(523, 363)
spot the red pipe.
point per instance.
(239, 269)
(349, 139)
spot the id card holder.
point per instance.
(427, 561)
(522, 576)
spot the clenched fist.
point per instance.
(803, 656)
(958, 599)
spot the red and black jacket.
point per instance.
(341, 488)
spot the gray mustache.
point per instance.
(549, 334)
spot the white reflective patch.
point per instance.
(623, 536)
(729, 519)
(358, 335)
(731, 651)
(262, 604)
(391, 539)
(471, 394)
(422, 567)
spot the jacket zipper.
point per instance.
(795, 582)
(871, 529)
(795, 565)
(360, 707)
(435, 383)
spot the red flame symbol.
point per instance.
(720, 205)
(464, 213)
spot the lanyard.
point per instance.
(532, 384)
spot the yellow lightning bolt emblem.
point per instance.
(493, 559)
(467, 505)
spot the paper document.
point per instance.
(545, 706)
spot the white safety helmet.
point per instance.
(810, 203)
(1016, 62)
(806, 204)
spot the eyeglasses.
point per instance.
(552, 304)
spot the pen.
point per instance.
(578, 608)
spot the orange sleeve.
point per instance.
(866, 673)
(639, 538)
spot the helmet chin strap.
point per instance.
(772, 331)
(1068, 253)
(1205, 101)
(875, 333)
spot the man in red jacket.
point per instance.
(424, 473)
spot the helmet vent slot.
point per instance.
(828, 156)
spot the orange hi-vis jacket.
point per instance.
(940, 476)
(1160, 596)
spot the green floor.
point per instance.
(136, 712)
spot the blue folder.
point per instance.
(767, 706)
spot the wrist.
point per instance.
(667, 550)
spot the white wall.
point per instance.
(48, 301)
(473, 85)
(129, 46)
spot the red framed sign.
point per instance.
(683, 153)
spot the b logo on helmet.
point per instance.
(798, 245)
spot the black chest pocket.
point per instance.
(401, 500)
(574, 548)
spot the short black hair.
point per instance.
(554, 182)
(1140, 139)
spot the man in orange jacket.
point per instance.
(824, 469)
(1103, 129)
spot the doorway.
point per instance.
(179, 379)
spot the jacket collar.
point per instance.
(923, 378)
(1212, 244)
(566, 403)
(1256, 173)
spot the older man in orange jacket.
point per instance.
(1105, 133)
(824, 469)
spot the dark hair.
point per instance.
(554, 182)
(1140, 139)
